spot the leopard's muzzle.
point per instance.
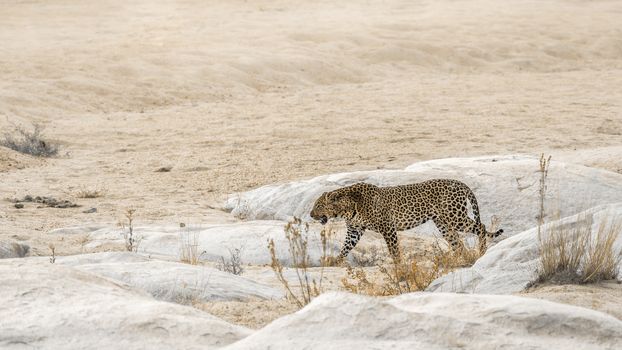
(323, 219)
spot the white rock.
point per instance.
(11, 249)
(58, 307)
(608, 157)
(101, 258)
(505, 186)
(214, 241)
(77, 230)
(437, 321)
(509, 266)
(171, 281)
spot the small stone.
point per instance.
(89, 211)
(63, 204)
(19, 205)
(164, 169)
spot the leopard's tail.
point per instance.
(480, 229)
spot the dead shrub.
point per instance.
(233, 264)
(305, 287)
(131, 241)
(53, 253)
(30, 142)
(545, 163)
(243, 209)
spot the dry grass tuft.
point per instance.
(576, 255)
(305, 288)
(90, 192)
(30, 142)
(602, 263)
(189, 246)
(571, 253)
(411, 275)
(83, 240)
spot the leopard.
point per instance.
(387, 210)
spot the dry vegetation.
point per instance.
(233, 264)
(83, 240)
(368, 256)
(306, 287)
(90, 193)
(131, 241)
(30, 142)
(414, 273)
(601, 260)
(544, 172)
(189, 246)
(253, 314)
(572, 253)
(52, 253)
(577, 255)
(370, 276)
(411, 275)
(569, 254)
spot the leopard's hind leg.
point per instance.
(450, 234)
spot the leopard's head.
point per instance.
(322, 210)
(338, 203)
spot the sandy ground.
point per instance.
(234, 94)
(604, 296)
(252, 314)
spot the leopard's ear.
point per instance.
(356, 191)
(332, 196)
(353, 192)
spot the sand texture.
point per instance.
(207, 124)
(233, 95)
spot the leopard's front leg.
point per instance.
(352, 238)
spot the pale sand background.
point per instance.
(238, 94)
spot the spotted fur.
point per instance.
(387, 210)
